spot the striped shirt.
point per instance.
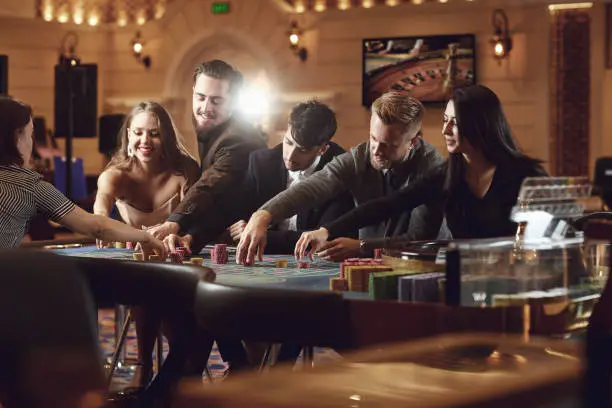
(23, 194)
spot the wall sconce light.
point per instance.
(295, 36)
(137, 48)
(68, 57)
(502, 42)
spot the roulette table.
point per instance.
(373, 321)
(315, 277)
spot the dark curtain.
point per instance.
(570, 86)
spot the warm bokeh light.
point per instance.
(93, 19)
(48, 13)
(122, 18)
(254, 101)
(98, 12)
(137, 47)
(344, 4)
(498, 49)
(568, 6)
(367, 3)
(160, 9)
(299, 7)
(79, 15)
(294, 39)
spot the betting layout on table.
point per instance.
(273, 270)
(371, 276)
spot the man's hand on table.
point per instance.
(172, 241)
(253, 238)
(153, 246)
(237, 229)
(310, 242)
(340, 249)
(163, 230)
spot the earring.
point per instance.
(130, 151)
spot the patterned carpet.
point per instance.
(106, 324)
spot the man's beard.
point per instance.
(201, 131)
(378, 165)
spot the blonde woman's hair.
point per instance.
(176, 157)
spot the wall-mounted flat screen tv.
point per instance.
(427, 67)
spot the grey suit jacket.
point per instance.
(352, 171)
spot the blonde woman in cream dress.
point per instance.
(146, 179)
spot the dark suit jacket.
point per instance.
(224, 154)
(267, 176)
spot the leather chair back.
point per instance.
(271, 315)
(48, 334)
(153, 284)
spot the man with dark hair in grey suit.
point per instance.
(394, 156)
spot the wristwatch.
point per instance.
(364, 248)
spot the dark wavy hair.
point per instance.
(481, 121)
(14, 115)
(220, 70)
(176, 157)
(312, 124)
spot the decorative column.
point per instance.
(570, 91)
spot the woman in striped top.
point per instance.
(23, 193)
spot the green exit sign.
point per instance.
(220, 8)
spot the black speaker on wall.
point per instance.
(109, 130)
(3, 74)
(81, 83)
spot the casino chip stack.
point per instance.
(354, 273)
(219, 254)
(184, 250)
(358, 262)
(177, 256)
(378, 252)
(197, 261)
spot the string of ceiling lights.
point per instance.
(98, 12)
(301, 6)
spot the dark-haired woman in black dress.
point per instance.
(478, 184)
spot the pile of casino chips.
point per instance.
(219, 254)
(178, 255)
(359, 262)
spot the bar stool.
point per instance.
(123, 320)
(169, 287)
